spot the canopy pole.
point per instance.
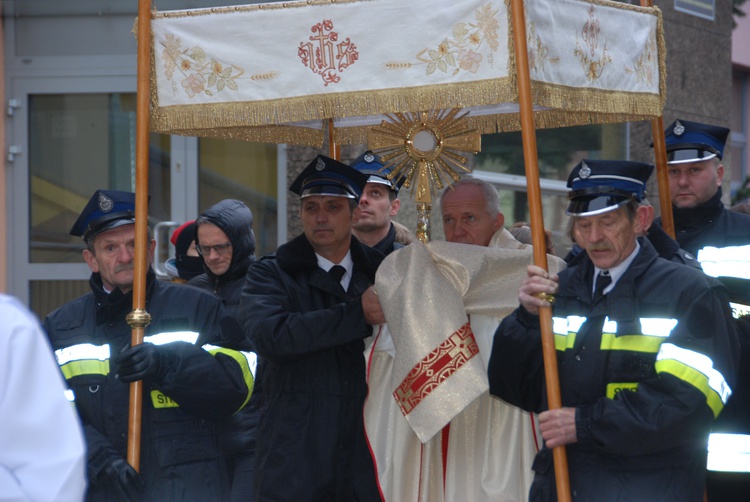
(138, 318)
(662, 169)
(531, 162)
(334, 150)
(662, 175)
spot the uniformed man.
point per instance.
(694, 157)
(188, 384)
(647, 352)
(378, 205)
(706, 228)
(308, 309)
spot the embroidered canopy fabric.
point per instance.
(275, 72)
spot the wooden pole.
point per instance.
(334, 150)
(660, 161)
(139, 318)
(662, 175)
(531, 162)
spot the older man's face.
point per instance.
(112, 257)
(465, 216)
(609, 238)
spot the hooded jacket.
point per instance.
(235, 219)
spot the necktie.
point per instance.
(337, 271)
(602, 281)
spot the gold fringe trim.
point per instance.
(322, 106)
(267, 134)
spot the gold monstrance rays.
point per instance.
(428, 146)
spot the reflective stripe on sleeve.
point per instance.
(728, 452)
(247, 361)
(83, 359)
(730, 261)
(172, 336)
(696, 369)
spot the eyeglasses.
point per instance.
(221, 249)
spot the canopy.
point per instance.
(275, 72)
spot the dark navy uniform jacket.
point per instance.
(648, 368)
(199, 384)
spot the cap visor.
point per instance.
(593, 205)
(688, 155)
(328, 190)
(108, 226)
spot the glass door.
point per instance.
(73, 136)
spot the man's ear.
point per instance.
(395, 206)
(643, 220)
(90, 260)
(356, 213)
(650, 217)
(499, 221)
(719, 173)
(151, 248)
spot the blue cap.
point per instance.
(599, 186)
(106, 209)
(373, 166)
(694, 142)
(326, 176)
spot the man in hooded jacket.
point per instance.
(226, 242)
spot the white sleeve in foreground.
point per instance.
(42, 450)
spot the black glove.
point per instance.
(141, 362)
(123, 480)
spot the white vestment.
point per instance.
(42, 449)
(490, 444)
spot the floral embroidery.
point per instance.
(200, 73)
(463, 49)
(324, 56)
(538, 52)
(645, 65)
(592, 59)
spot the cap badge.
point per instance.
(369, 157)
(320, 165)
(679, 129)
(105, 203)
(584, 172)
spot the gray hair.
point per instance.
(491, 198)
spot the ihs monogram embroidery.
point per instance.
(324, 55)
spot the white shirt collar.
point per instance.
(347, 263)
